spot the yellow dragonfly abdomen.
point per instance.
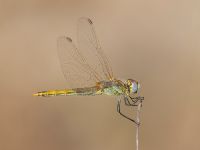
(71, 92)
(54, 93)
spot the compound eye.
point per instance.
(134, 87)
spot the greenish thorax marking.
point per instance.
(112, 88)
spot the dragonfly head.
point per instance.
(132, 85)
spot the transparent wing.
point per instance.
(74, 66)
(91, 49)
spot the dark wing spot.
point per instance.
(90, 21)
(69, 39)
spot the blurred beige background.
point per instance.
(154, 42)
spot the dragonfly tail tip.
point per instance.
(36, 94)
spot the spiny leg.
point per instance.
(119, 111)
(127, 102)
(136, 99)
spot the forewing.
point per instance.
(74, 67)
(91, 49)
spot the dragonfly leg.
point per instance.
(119, 111)
(127, 102)
(137, 99)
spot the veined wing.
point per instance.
(74, 67)
(91, 49)
(86, 65)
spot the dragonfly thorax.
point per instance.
(115, 87)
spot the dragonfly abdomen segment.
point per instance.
(54, 93)
(71, 92)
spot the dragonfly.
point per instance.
(88, 72)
